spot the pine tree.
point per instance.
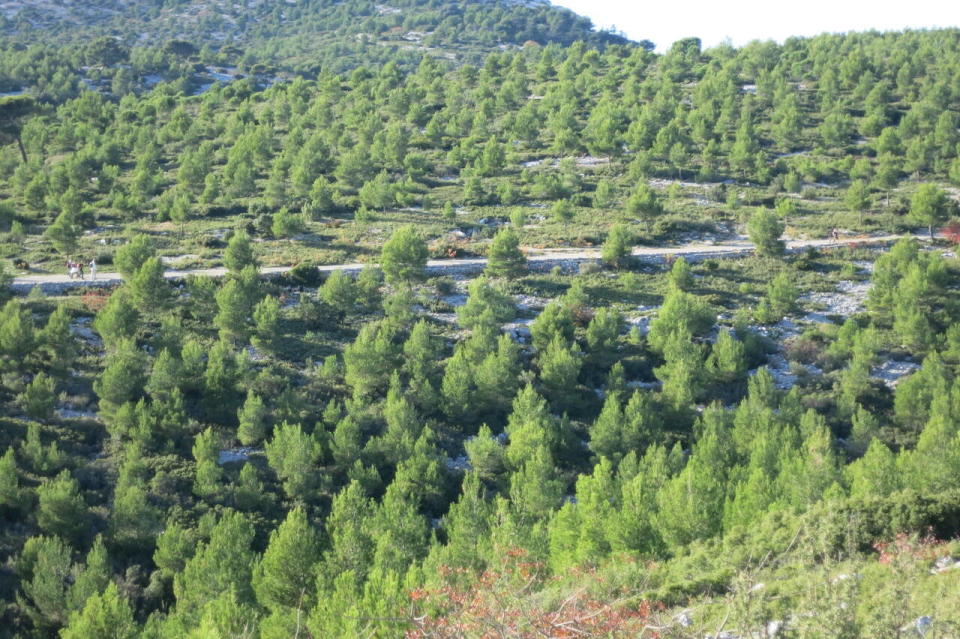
(166, 376)
(535, 489)
(340, 292)
(175, 546)
(370, 359)
(234, 311)
(531, 426)
(221, 564)
(556, 319)
(496, 379)
(806, 474)
(420, 365)
(485, 296)
(617, 246)
(285, 577)
(58, 343)
(61, 509)
(17, 335)
(930, 206)
(253, 420)
(223, 616)
(681, 276)
(239, 254)
(148, 287)
(104, 616)
(321, 198)
(486, 455)
(293, 456)
(118, 319)
(42, 459)
(39, 397)
(690, 505)
(266, 320)
(206, 453)
(92, 578)
(934, 465)
(643, 426)
(682, 374)
(604, 331)
(220, 399)
(751, 499)
(681, 312)
(44, 569)
(765, 229)
(10, 492)
(727, 364)
(559, 369)
(404, 256)
(606, 434)
(348, 529)
(369, 282)
(915, 394)
(644, 203)
(403, 426)
(346, 443)
(875, 474)
(134, 522)
(134, 254)
(458, 387)
(504, 258)
(63, 233)
(123, 377)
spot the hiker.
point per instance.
(835, 233)
(80, 269)
(93, 269)
(72, 270)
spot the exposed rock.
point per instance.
(82, 328)
(779, 369)
(461, 463)
(848, 300)
(519, 330)
(943, 564)
(236, 455)
(455, 300)
(68, 413)
(530, 302)
(446, 318)
(891, 372)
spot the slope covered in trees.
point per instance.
(782, 127)
(294, 36)
(765, 444)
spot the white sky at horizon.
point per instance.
(717, 20)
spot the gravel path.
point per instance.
(538, 259)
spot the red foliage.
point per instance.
(504, 603)
(909, 547)
(952, 231)
(95, 299)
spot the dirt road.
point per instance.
(539, 259)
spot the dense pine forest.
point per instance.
(433, 319)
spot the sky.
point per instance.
(741, 21)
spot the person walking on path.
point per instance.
(93, 269)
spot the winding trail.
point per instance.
(538, 260)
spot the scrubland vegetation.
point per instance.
(764, 445)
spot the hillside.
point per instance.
(308, 35)
(707, 383)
